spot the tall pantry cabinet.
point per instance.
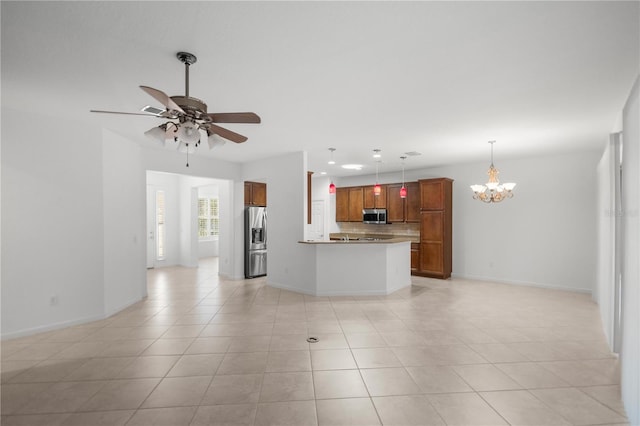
(435, 228)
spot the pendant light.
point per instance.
(403, 190)
(377, 188)
(332, 187)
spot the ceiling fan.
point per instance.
(187, 116)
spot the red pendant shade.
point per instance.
(377, 189)
(403, 192)
(332, 188)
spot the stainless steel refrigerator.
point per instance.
(255, 242)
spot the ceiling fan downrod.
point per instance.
(187, 59)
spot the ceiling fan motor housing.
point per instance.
(193, 107)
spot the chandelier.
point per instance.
(493, 191)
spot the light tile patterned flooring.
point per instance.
(201, 350)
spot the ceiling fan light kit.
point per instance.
(188, 119)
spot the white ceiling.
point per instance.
(440, 78)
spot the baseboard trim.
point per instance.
(521, 283)
(51, 327)
(69, 323)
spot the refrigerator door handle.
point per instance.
(264, 226)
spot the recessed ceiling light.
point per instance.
(352, 166)
(376, 153)
(323, 173)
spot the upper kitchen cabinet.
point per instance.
(372, 201)
(412, 201)
(395, 204)
(349, 203)
(434, 193)
(355, 204)
(403, 209)
(255, 194)
(342, 204)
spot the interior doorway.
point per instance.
(197, 220)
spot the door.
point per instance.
(151, 226)
(316, 229)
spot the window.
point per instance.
(160, 231)
(208, 219)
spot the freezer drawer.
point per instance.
(255, 264)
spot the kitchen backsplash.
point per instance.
(404, 229)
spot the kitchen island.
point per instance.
(367, 267)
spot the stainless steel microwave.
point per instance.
(374, 216)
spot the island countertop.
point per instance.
(361, 241)
(358, 267)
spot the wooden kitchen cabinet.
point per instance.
(403, 209)
(435, 228)
(412, 202)
(255, 194)
(349, 203)
(355, 204)
(342, 204)
(433, 193)
(371, 201)
(395, 204)
(415, 257)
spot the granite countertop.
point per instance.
(363, 240)
(356, 236)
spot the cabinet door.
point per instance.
(431, 194)
(381, 200)
(247, 194)
(342, 205)
(432, 226)
(431, 258)
(412, 202)
(259, 194)
(355, 204)
(369, 200)
(395, 204)
(415, 256)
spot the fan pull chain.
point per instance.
(187, 155)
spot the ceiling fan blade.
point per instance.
(126, 113)
(235, 117)
(227, 134)
(162, 97)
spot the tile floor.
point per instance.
(201, 350)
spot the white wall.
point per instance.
(630, 351)
(288, 262)
(52, 223)
(544, 236)
(188, 231)
(124, 223)
(604, 291)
